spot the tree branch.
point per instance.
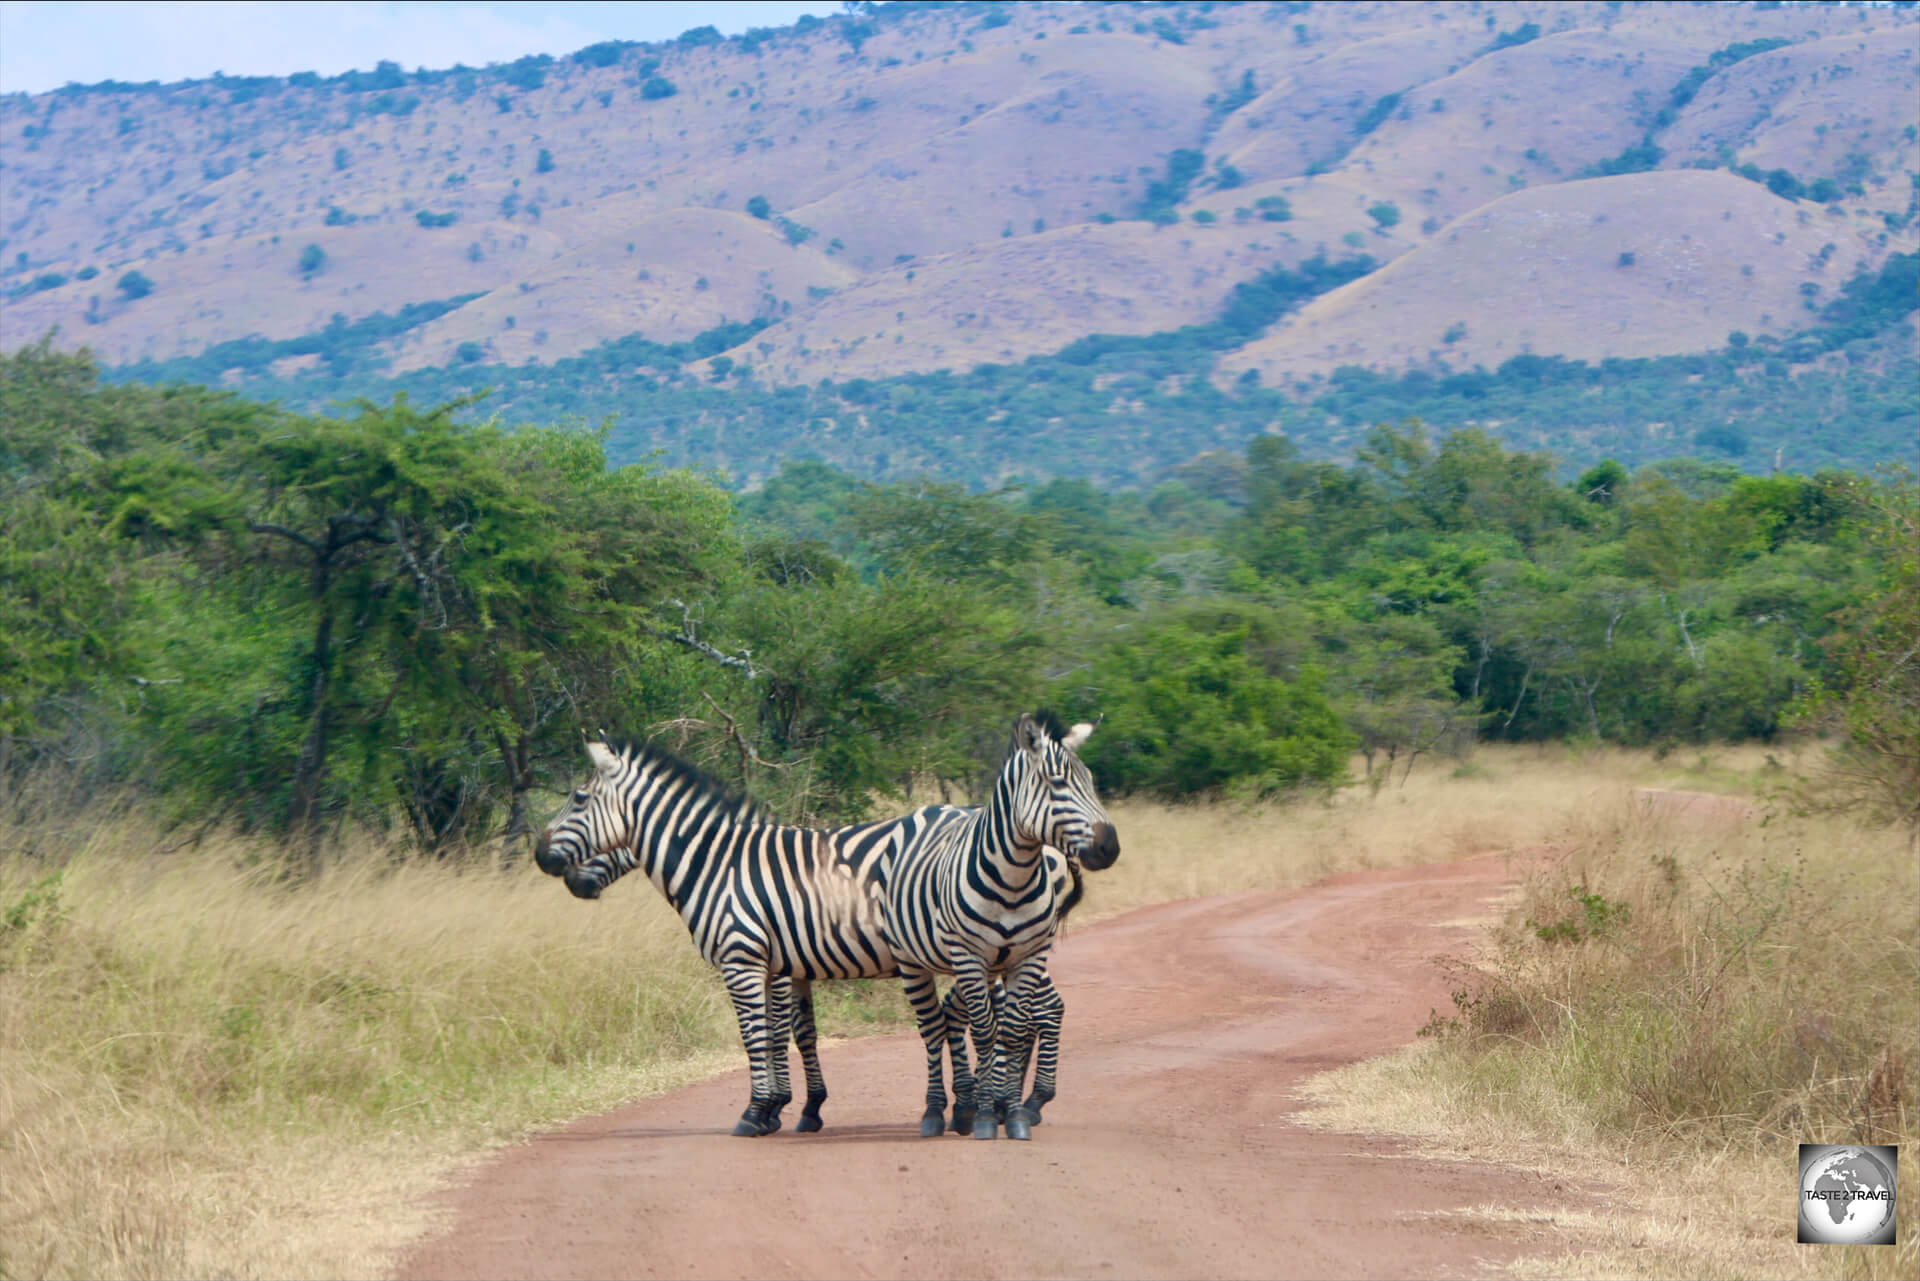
(292, 535)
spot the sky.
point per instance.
(47, 43)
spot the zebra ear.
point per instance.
(1077, 735)
(1029, 734)
(601, 755)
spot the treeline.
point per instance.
(392, 616)
(1120, 409)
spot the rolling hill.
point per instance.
(920, 187)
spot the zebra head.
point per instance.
(590, 841)
(1050, 792)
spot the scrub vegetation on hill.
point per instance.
(1123, 409)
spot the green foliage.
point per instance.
(543, 163)
(1596, 918)
(427, 218)
(343, 347)
(1164, 194)
(1525, 33)
(655, 88)
(759, 207)
(1377, 115)
(605, 53)
(1385, 214)
(134, 285)
(1639, 158)
(313, 260)
(1190, 713)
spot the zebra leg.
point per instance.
(780, 1022)
(748, 987)
(806, 1036)
(1016, 1043)
(964, 1106)
(1045, 1010)
(926, 1012)
(976, 997)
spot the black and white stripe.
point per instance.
(774, 908)
(973, 895)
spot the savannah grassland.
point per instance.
(206, 1072)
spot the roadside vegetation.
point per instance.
(1682, 992)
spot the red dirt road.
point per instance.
(1171, 1151)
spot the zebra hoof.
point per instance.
(933, 1124)
(963, 1120)
(745, 1129)
(1020, 1124)
(1033, 1106)
(808, 1125)
(985, 1127)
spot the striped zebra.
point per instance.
(1040, 1019)
(773, 908)
(973, 896)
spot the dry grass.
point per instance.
(204, 1072)
(1504, 798)
(1758, 991)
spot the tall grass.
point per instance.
(206, 1071)
(1685, 992)
(197, 1061)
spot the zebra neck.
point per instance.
(679, 837)
(998, 840)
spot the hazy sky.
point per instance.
(46, 43)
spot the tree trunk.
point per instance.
(311, 769)
(517, 758)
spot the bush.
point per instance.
(658, 87)
(544, 162)
(1385, 214)
(759, 207)
(313, 259)
(1188, 714)
(135, 285)
(427, 218)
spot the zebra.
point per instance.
(1039, 1018)
(772, 907)
(1042, 1012)
(972, 896)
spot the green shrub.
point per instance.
(135, 284)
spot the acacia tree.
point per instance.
(540, 610)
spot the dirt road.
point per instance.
(1171, 1151)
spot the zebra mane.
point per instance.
(1050, 721)
(1073, 895)
(727, 799)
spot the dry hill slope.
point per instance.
(935, 180)
(1664, 261)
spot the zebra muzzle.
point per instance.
(1103, 849)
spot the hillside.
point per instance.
(918, 188)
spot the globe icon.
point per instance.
(1846, 1197)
